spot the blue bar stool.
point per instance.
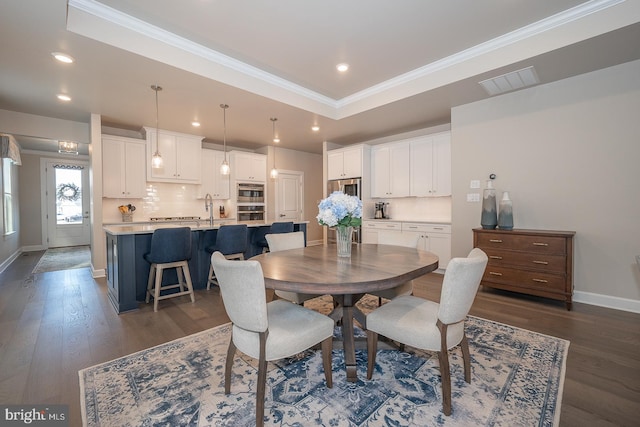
(276, 228)
(231, 241)
(170, 248)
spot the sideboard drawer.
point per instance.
(530, 261)
(536, 244)
(525, 279)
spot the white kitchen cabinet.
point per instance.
(434, 238)
(390, 171)
(181, 157)
(123, 173)
(213, 182)
(375, 231)
(431, 165)
(248, 166)
(345, 163)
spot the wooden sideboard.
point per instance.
(535, 262)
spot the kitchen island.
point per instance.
(128, 271)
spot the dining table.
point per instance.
(319, 270)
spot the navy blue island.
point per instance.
(128, 272)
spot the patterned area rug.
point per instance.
(68, 258)
(517, 379)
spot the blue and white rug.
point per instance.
(517, 378)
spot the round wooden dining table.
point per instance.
(318, 270)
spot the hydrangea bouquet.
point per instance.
(340, 209)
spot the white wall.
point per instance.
(569, 155)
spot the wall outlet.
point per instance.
(475, 183)
(473, 197)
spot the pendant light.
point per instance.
(156, 160)
(274, 171)
(224, 168)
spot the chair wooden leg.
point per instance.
(152, 273)
(210, 277)
(327, 346)
(180, 274)
(156, 292)
(445, 374)
(231, 351)
(466, 358)
(262, 380)
(372, 349)
(187, 276)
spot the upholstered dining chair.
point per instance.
(427, 325)
(283, 242)
(170, 248)
(397, 239)
(275, 228)
(266, 331)
(231, 241)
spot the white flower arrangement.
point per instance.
(340, 209)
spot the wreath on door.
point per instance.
(68, 192)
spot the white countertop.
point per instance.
(421, 221)
(123, 228)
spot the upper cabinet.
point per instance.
(390, 174)
(181, 157)
(213, 182)
(431, 165)
(248, 166)
(345, 163)
(123, 174)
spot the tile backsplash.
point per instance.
(436, 209)
(163, 200)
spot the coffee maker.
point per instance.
(381, 210)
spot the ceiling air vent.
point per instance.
(510, 81)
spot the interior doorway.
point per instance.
(66, 203)
(289, 196)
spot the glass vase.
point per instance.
(343, 240)
(505, 215)
(489, 218)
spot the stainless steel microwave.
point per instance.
(250, 193)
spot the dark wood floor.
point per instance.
(53, 324)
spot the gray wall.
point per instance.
(569, 155)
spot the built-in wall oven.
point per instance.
(352, 187)
(250, 202)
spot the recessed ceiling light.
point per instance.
(315, 128)
(63, 97)
(62, 57)
(195, 124)
(342, 67)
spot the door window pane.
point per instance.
(68, 196)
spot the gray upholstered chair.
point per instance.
(427, 325)
(231, 241)
(266, 331)
(397, 239)
(283, 242)
(170, 248)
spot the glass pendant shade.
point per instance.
(274, 171)
(156, 159)
(224, 167)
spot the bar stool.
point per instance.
(170, 248)
(276, 228)
(231, 241)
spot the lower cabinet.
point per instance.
(534, 262)
(432, 237)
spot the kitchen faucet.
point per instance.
(208, 206)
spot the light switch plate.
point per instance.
(475, 183)
(473, 197)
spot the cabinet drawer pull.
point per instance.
(495, 240)
(438, 228)
(493, 273)
(495, 257)
(540, 262)
(540, 244)
(412, 226)
(540, 280)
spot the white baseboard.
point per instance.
(101, 272)
(8, 261)
(33, 248)
(607, 301)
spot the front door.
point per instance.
(67, 198)
(289, 199)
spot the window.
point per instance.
(7, 198)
